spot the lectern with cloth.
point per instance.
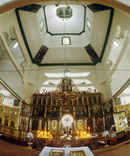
(46, 150)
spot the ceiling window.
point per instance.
(64, 12)
(75, 81)
(56, 75)
(66, 40)
(88, 24)
(41, 25)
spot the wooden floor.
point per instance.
(10, 149)
(122, 149)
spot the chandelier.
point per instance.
(57, 4)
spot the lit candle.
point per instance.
(89, 130)
(45, 126)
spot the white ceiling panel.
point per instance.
(73, 24)
(66, 55)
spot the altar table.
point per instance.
(46, 150)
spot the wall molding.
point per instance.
(125, 85)
(52, 34)
(69, 64)
(9, 89)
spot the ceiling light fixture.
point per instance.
(57, 4)
(66, 72)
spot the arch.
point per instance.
(80, 125)
(39, 100)
(44, 101)
(6, 122)
(12, 124)
(90, 124)
(54, 125)
(35, 100)
(35, 125)
(43, 125)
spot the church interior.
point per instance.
(65, 77)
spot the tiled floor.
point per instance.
(9, 149)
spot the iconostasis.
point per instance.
(9, 109)
(123, 102)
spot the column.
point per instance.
(40, 124)
(59, 124)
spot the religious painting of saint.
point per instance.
(121, 122)
(80, 125)
(54, 125)
(34, 101)
(16, 102)
(85, 100)
(53, 111)
(36, 111)
(108, 107)
(25, 110)
(99, 123)
(35, 125)
(95, 99)
(42, 111)
(80, 101)
(81, 111)
(90, 124)
(67, 109)
(96, 110)
(109, 121)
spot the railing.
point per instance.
(14, 133)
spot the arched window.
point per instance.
(6, 122)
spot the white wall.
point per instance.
(99, 29)
(8, 71)
(121, 72)
(31, 29)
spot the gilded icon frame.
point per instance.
(77, 153)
